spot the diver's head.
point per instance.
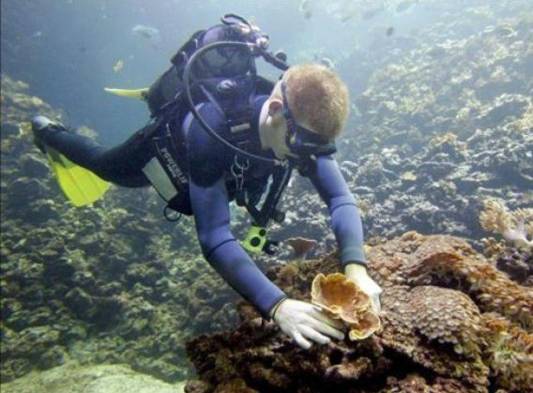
(307, 111)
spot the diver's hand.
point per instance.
(358, 274)
(304, 322)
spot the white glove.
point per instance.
(304, 321)
(358, 274)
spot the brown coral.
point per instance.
(510, 352)
(339, 296)
(451, 262)
(437, 332)
(342, 299)
(301, 246)
(436, 328)
(448, 317)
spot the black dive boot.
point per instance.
(41, 125)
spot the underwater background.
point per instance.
(438, 152)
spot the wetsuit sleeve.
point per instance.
(210, 205)
(345, 218)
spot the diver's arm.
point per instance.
(210, 205)
(346, 224)
(345, 218)
(223, 251)
(301, 321)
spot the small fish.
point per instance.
(346, 17)
(148, 32)
(390, 31)
(405, 5)
(506, 31)
(305, 9)
(37, 34)
(327, 62)
(372, 13)
(119, 65)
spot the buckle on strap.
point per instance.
(237, 170)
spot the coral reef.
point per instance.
(109, 283)
(514, 226)
(509, 352)
(454, 264)
(301, 246)
(440, 126)
(451, 323)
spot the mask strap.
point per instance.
(287, 114)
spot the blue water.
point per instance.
(66, 49)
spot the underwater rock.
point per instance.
(13, 368)
(196, 386)
(445, 312)
(103, 283)
(59, 268)
(509, 353)
(53, 357)
(518, 264)
(26, 190)
(452, 263)
(31, 342)
(80, 302)
(72, 378)
(33, 167)
(505, 105)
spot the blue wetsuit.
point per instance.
(212, 187)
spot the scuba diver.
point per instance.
(219, 132)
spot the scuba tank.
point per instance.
(216, 63)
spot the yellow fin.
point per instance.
(130, 93)
(80, 186)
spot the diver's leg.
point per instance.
(121, 165)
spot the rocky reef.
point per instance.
(451, 322)
(109, 283)
(72, 378)
(439, 127)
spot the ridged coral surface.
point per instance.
(441, 332)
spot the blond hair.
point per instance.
(316, 95)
